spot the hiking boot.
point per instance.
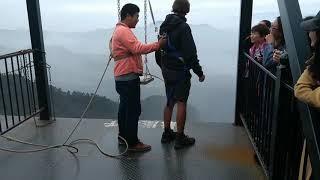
(183, 141)
(168, 136)
(139, 147)
(121, 142)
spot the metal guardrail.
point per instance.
(18, 100)
(272, 120)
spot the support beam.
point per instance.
(36, 34)
(298, 50)
(245, 30)
(296, 38)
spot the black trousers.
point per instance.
(129, 109)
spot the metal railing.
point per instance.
(311, 128)
(18, 100)
(272, 120)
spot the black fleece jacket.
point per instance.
(181, 37)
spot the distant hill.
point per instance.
(66, 104)
(69, 104)
(72, 104)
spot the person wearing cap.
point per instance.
(307, 88)
(126, 51)
(178, 57)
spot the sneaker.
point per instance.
(183, 141)
(121, 142)
(168, 136)
(139, 147)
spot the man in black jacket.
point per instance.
(176, 60)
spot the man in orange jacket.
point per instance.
(126, 51)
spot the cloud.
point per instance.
(96, 8)
(83, 15)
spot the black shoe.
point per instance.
(121, 142)
(168, 136)
(183, 141)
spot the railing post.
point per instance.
(36, 34)
(275, 122)
(245, 29)
(310, 135)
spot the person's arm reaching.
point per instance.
(134, 46)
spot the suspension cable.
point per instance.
(146, 36)
(119, 6)
(152, 16)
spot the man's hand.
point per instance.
(162, 41)
(202, 78)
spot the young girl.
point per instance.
(261, 51)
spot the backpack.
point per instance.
(168, 52)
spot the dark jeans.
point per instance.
(129, 109)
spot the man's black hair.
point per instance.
(129, 9)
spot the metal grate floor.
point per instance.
(221, 152)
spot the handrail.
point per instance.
(307, 118)
(17, 87)
(17, 53)
(260, 66)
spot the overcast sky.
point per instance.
(84, 15)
